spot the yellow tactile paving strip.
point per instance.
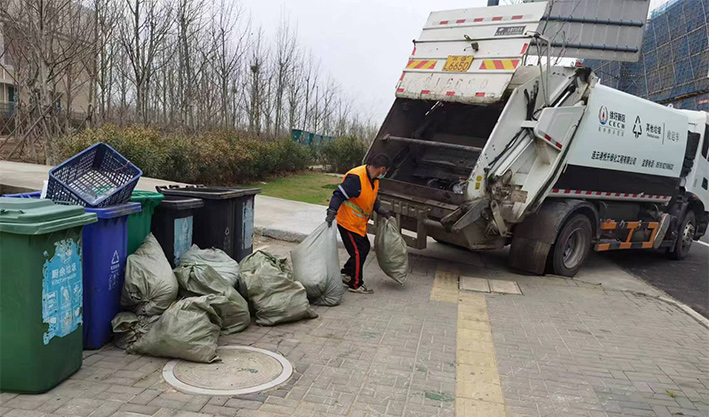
(445, 286)
(478, 389)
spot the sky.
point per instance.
(364, 44)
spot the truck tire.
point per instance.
(685, 236)
(572, 245)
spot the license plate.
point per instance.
(458, 63)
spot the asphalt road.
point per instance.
(686, 280)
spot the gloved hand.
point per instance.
(384, 213)
(330, 217)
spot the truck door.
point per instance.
(699, 181)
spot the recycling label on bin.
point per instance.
(115, 274)
(62, 289)
(183, 237)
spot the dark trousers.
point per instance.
(358, 248)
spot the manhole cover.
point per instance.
(243, 370)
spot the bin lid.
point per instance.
(118, 210)
(149, 197)
(208, 193)
(30, 216)
(174, 202)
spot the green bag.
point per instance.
(188, 330)
(391, 250)
(225, 266)
(200, 279)
(276, 298)
(128, 328)
(150, 286)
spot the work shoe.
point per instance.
(346, 279)
(361, 290)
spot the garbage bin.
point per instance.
(40, 293)
(173, 225)
(139, 223)
(227, 219)
(105, 252)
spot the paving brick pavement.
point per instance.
(570, 349)
(563, 348)
(392, 354)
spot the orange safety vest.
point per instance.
(355, 212)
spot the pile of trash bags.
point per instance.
(180, 313)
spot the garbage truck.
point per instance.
(494, 145)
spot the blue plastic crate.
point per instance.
(33, 194)
(97, 177)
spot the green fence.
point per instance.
(310, 139)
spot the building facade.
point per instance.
(673, 68)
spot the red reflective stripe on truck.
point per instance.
(479, 94)
(450, 93)
(517, 17)
(460, 21)
(524, 48)
(425, 91)
(497, 18)
(478, 19)
(399, 90)
(443, 22)
(602, 194)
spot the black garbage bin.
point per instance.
(227, 219)
(173, 225)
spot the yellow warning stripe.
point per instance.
(499, 64)
(420, 64)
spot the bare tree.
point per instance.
(48, 40)
(180, 64)
(143, 34)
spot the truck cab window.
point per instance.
(705, 143)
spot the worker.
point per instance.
(352, 204)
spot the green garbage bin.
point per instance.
(41, 293)
(139, 223)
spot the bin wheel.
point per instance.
(572, 245)
(685, 237)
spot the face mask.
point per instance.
(381, 176)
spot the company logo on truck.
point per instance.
(603, 115)
(612, 122)
(509, 30)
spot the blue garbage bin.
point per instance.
(105, 252)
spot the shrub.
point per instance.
(343, 153)
(214, 158)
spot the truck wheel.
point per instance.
(571, 246)
(685, 238)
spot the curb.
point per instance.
(277, 234)
(687, 309)
(294, 237)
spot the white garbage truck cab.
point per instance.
(489, 151)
